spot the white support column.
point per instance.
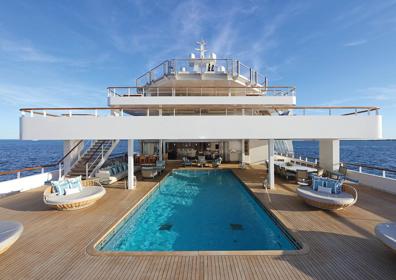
(160, 149)
(131, 175)
(271, 173)
(243, 151)
(329, 154)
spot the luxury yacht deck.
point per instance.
(341, 245)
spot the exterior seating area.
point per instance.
(73, 193)
(386, 232)
(328, 201)
(10, 231)
(112, 173)
(343, 242)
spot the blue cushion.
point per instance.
(316, 182)
(60, 186)
(338, 185)
(75, 183)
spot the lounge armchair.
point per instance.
(160, 165)
(328, 200)
(186, 162)
(201, 161)
(387, 234)
(89, 191)
(149, 172)
(216, 162)
(10, 231)
(302, 178)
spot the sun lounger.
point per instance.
(10, 231)
(387, 234)
(89, 192)
(324, 197)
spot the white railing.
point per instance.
(128, 91)
(230, 67)
(357, 167)
(263, 111)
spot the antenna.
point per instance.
(201, 48)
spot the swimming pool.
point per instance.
(199, 210)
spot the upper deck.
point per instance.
(203, 71)
(190, 95)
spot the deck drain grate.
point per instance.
(236, 227)
(165, 227)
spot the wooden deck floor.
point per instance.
(341, 244)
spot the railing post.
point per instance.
(96, 112)
(44, 113)
(18, 174)
(70, 113)
(360, 169)
(60, 171)
(384, 173)
(42, 170)
(129, 91)
(86, 170)
(31, 113)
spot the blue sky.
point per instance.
(65, 53)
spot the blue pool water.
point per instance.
(199, 210)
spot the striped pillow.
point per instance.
(75, 183)
(60, 186)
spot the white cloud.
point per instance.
(355, 43)
(24, 51)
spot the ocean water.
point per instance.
(380, 153)
(16, 154)
(199, 210)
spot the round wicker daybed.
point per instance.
(387, 234)
(10, 231)
(326, 201)
(91, 192)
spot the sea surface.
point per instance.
(17, 154)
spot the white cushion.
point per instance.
(387, 234)
(87, 193)
(9, 233)
(343, 198)
(72, 191)
(324, 189)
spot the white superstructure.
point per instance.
(204, 105)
